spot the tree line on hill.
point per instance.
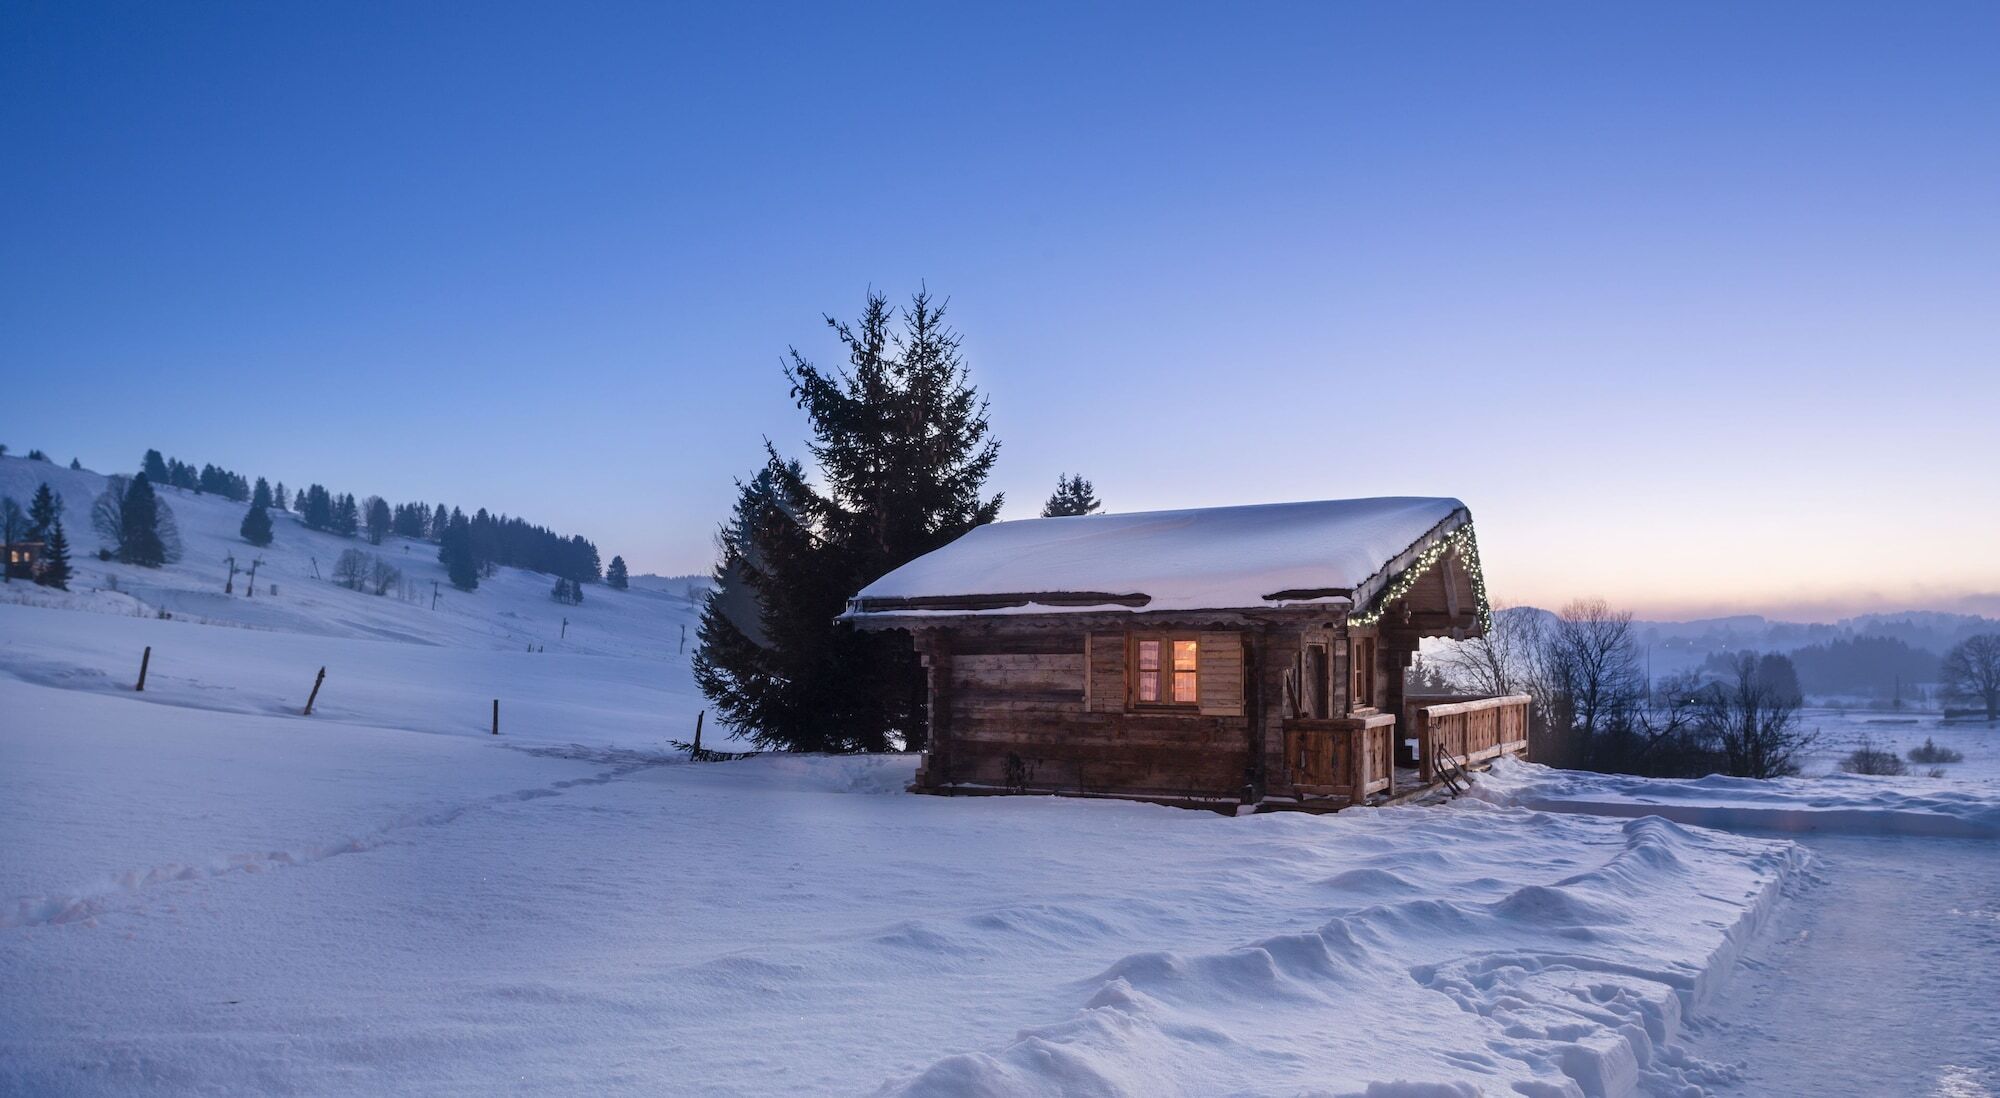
(470, 547)
(901, 450)
(176, 473)
(39, 455)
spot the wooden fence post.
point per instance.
(143, 662)
(697, 730)
(315, 694)
(496, 716)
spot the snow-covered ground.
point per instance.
(226, 900)
(1842, 730)
(202, 890)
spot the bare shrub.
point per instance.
(1866, 758)
(351, 570)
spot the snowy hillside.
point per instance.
(618, 674)
(510, 611)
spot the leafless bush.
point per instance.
(383, 575)
(351, 570)
(1866, 758)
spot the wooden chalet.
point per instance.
(25, 559)
(1216, 657)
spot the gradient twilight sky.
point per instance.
(1694, 304)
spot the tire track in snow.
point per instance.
(63, 908)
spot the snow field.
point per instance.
(1852, 803)
(545, 697)
(202, 900)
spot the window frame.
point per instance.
(1361, 672)
(1166, 669)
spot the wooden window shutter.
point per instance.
(1104, 672)
(1221, 677)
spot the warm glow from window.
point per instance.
(1167, 671)
(1184, 672)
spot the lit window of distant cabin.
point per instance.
(1168, 671)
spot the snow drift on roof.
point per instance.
(1201, 559)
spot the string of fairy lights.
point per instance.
(1467, 545)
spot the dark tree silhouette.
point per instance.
(256, 528)
(55, 559)
(43, 511)
(455, 553)
(902, 447)
(139, 540)
(1972, 671)
(1073, 496)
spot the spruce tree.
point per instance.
(378, 519)
(256, 528)
(139, 538)
(1073, 496)
(346, 516)
(155, 468)
(43, 511)
(75, 464)
(261, 495)
(615, 576)
(55, 559)
(455, 553)
(902, 445)
(278, 497)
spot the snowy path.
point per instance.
(1883, 977)
(1882, 973)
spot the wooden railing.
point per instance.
(1470, 730)
(1350, 756)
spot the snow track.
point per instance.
(128, 888)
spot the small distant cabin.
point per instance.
(1215, 657)
(24, 559)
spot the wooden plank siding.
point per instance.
(1033, 707)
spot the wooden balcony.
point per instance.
(1469, 729)
(1351, 757)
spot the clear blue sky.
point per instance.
(1694, 304)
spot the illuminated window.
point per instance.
(1168, 671)
(1184, 672)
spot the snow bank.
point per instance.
(1853, 803)
(1183, 560)
(1450, 971)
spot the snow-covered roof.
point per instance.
(1211, 558)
